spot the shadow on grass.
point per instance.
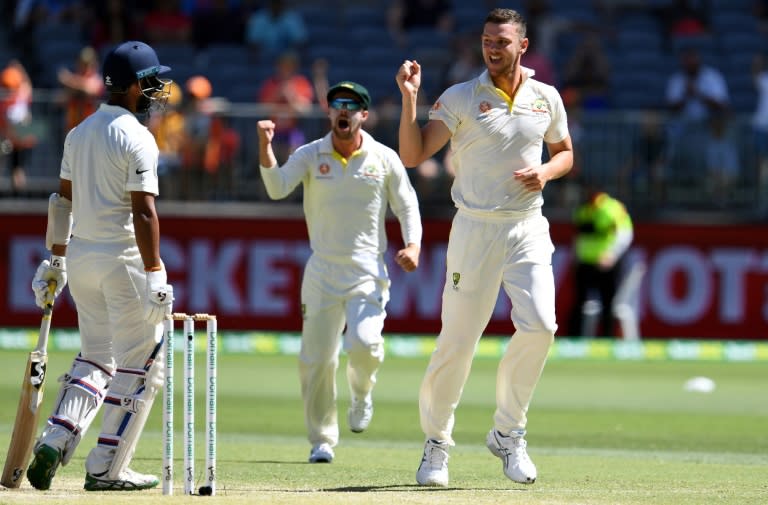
(390, 487)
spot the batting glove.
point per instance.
(53, 269)
(159, 299)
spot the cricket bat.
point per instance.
(28, 412)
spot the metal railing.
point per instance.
(656, 166)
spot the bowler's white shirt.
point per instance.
(494, 136)
(107, 156)
(345, 200)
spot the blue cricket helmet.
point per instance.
(129, 62)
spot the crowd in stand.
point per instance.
(573, 51)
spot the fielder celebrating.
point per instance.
(497, 124)
(106, 204)
(348, 181)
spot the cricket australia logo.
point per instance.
(540, 105)
(372, 172)
(456, 278)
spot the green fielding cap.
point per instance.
(352, 87)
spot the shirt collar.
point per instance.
(326, 144)
(485, 78)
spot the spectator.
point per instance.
(274, 29)
(588, 73)
(17, 135)
(290, 94)
(548, 26)
(209, 145)
(218, 22)
(723, 167)
(645, 175)
(37, 12)
(432, 181)
(468, 61)
(539, 62)
(760, 123)
(111, 22)
(695, 93)
(406, 15)
(169, 131)
(83, 87)
(685, 18)
(167, 23)
(760, 11)
(604, 233)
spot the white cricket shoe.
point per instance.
(511, 450)
(321, 453)
(360, 414)
(433, 470)
(128, 480)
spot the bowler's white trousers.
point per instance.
(484, 253)
(335, 293)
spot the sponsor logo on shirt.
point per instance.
(484, 107)
(324, 171)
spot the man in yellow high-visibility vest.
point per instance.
(604, 234)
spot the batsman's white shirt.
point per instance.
(106, 157)
(499, 238)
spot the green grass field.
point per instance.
(600, 432)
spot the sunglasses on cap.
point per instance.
(345, 103)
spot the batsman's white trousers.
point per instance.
(484, 253)
(335, 294)
(108, 283)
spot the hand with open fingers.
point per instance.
(158, 303)
(53, 269)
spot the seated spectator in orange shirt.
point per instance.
(290, 94)
(16, 134)
(82, 87)
(167, 23)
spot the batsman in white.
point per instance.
(349, 179)
(497, 124)
(104, 235)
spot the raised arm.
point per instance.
(416, 144)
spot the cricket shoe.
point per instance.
(511, 450)
(128, 480)
(42, 469)
(433, 470)
(321, 453)
(360, 414)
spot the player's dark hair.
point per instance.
(507, 16)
